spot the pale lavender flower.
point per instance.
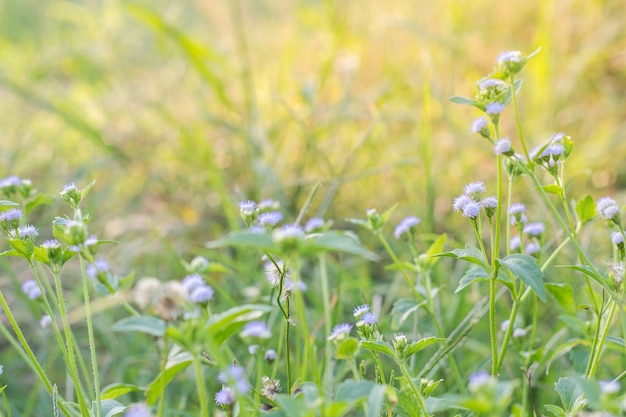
(509, 56)
(314, 225)
(554, 150)
(201, 294)
(532, 248)
(515, 242)
(1, 369)
(24, 232)
(51, 244)
(368, 318)
(247, 206)
(478, 125)
(460, 202)
(270, 219)
(268, 204)
(90, 241)
(405, 226)
(256, 329)
(610, 212)
(191, 282)
(489, 202)
(478, 379)
(491, 82)
(360, 310)
(604, 202)
(607, 207)
(138, 410)
(288, 232)
(272, 273)
(99, 266)
(270, 355)
(340, 332)
(224, 397)
(503, 146)
(31, 289)
(517, 208)
(45, 321)
(517, 333)
(494, 108)
(11, 181)
(609, 387)
(534, 229)
(474, 188)
(11, 215)
(471, 210)
(617, 238)
(69, 187)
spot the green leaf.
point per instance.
(591, 392)
(415, 347)
(7, 203)
(599, 276)
(291, 406)
(350, 390)
(261, 241)
(569, 391)
(563, 294)
(616, 339)
(376, 400)
(22, 248)
(40, 199)
(404, 308)
(555, 410)
(472, 275)
(222, 326)
(428, 259)
(553, 189)
(348, 348)
(469, 254)
(109, 408)
(86, 188)
(142, 324)
(525, 267)
(463, 101)
(586, 209)
(176, 363)
(333, 241)
(379, 346)
(118, 389)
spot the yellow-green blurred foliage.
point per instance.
(180, 108)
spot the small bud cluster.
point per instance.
(406, 228)
(553, 153)
(197, 289)
(366, 323)
(530, 237)
(14, 185)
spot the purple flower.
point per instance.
(314, 225)
(515, 242)
(474, 188)
(360, 310)
(604, 202)
(617, 238)
(607, 207)
(405, 226)
(489, 202)
(11, 215)
(532, 248)
(138, 410)
(268, 204)
(270, 219)
(534, 229)
(224, 397)
(478, 379)
(340, 332)
(99, 266)
(191, 282)
(45, 321)
(11, 181)
(69, 187)
(502, 147)
(517, 208)
(256, 329)
(51, 244)
(494, 108)
(471, 210)
(509, 56)
(287, 233)
(270, 355)
(368, 318)
(460, 202)
(31, 289)
(201, 294)
(479, 125)
(24, 232)
(491, 82)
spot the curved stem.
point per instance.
(92, 343)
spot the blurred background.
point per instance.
(180, 109)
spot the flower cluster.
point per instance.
(470, 203)
(406, 228)
(233, 382)
(197, 289)
(552, 154)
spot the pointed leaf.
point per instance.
(404, 308)
(525, 267)
(382, 347)
(41, 199)
(553, 189)
(469, 254)
(563, 294)
(333, 241)
(463, 101)
(415, 347)
(350, 390)
(261, 241)
(176, 363)
(110, 408)
(555, 410)
(116, 390)
(569, 391)
(586, 209)
(7, 203)
(222, 326)
(472, 275)
(428, 259)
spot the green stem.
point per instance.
(518, 123)
(163, 367)
(327, 324)
(421, 403)
(495, 247)
(6, 404)
(509, 330)
(92, 343)
(197, 365)
(595, 358)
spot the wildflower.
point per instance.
(460, 202)
(609, 387)
(224, 397)
(360, 310)
(400, 344)
(617, 272)
(252, 349)
(490, 204)
(503, 147)
(11, 215)
(76, 233)
(617, 238)
(268, 204)
(532, 248)
(248, 211)
(509, 57)
(10, 185)
(474, 188)
(270, 355)
(491, 83)
(478, 379)
(271, 387)
(340, 332)
(274, 272)
(199, 264)
(607, 207)
(256, 329)
(515, 243)
(45, 321)
(201, 294)
(481, 127)
(94, 270)
(406, 226)
(517, 333)
(24, 232)
(72, 195)
(534, 229)
(31, 289)
(517, 212)
(191, 282)
(314, 225)
(51, 244)
(368, 318)
(138, 410)
(270, 219)
(471, 210)
(288, 237)
(1, 369)
(235, 374)
(494, 108)
(504, 326)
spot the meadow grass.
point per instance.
(181, 111)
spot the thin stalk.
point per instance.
(418, 395)
(327, 323)
(517, 118)
(509, 330)
(495, 247)
(593, 364)
(92, 343)
(6, 403)
(163, 367)
(204, 412)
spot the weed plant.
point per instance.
(535, 326)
